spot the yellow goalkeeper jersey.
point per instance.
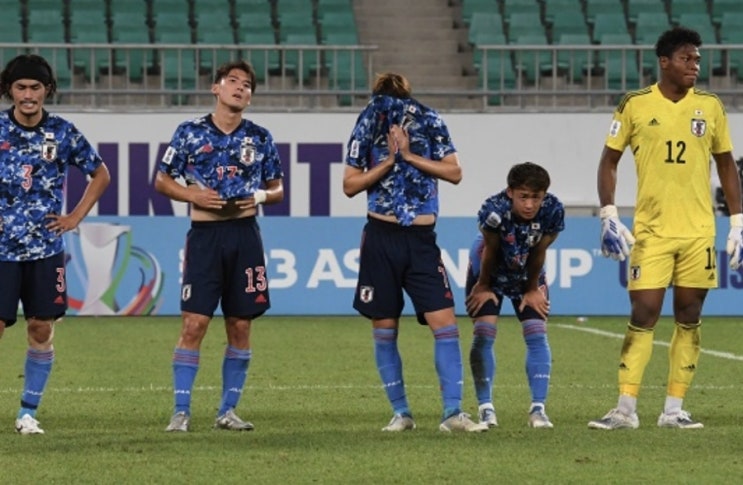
(672, 144)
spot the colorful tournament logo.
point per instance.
(107, 275)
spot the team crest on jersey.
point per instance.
(247, 151)
(634, 272)
(366, 294)
(698, 127)
(535, 234)
(49, 148)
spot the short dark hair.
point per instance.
(392, 84)
(529, 175)
(671, 40)
(245, 66)
(27, 66)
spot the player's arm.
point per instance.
(727, 170)
(533, 297)
(616, 239)
(448, 168)
(482, 291)
(357, 179)
(99, 180)
(202, 197)
(272, 194)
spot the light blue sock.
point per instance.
(482, 360)
(185, 367)
(37, 368)
(234, 373)
(389, 366)
(538, 358)
(448, 357)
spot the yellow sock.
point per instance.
(683, 357)
(636, 351)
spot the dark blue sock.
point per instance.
(389, 366)
(482, 360)
(185, 367)
(448, 357)
(37, 369)
(538, 358)
(234, 373)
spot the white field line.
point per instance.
(335, 387)
(604, 333)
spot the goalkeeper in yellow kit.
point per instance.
(672, 129)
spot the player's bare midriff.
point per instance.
(421, 220)
(228, 212)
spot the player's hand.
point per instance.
(479, 295)
(616, 239)
(252, 202)
(207, 199)
(735, 241)
(61, 224)
(537, 300)
(402, 140)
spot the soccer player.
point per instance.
(397, 152)
(36, 149)
(230, 166)
(517, 225)
(672, 128)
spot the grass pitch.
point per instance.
(314, 396)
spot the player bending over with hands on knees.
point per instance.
(38, 148)
(225, 160)
(673, 129)
(517, 225)
(398, 151)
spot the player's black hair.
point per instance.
(392, 84)
(27, 66)
(529, 175)
(671, 40)
(225, 69)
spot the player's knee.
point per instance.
(194, 329)
(40, 333)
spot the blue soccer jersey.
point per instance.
(404, 191)
(516, 239)
(235, 164)
(33, 167)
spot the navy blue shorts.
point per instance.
(40, 285)
(396, 258)
(224, 261)
(491, 308)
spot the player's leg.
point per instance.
(650, 270)
(200, 293)
(245, 298)
(379, 297)
(427, 284)
(482, 351)
(695, 274)
(44, 299)
(538, 361)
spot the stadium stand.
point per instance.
(596, 7)
(576, 63)
(522, 24)
(721, 8)
(473, 7)
(608, 23)
(636, 7)
(676, 8)
(553, 7)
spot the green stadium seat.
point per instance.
(553, 7)
(493, 38)
(568, 22)
(522, 24)
(483, 25)
(609, 23)
(730, 25)
(58, 58)
(176, 24)
(679, 7)
(302, 62)
(213, 6)
(621, 60)
(92, 61)
(649, 23)
(334, 22)
(264, 61)
(636, 7)
(472, 7)
(601, 7)
(210, 59)
(135, 62)
(720, 8)
(577, 63)
(530, 63)
(511, 7)
(11, 28)
(497, 74)
(295, 23)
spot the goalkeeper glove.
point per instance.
(735, 241)
(616, 239)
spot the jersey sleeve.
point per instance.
(83, 155)
(555, 215)
(491, 214)
(359, 146)
(620, 129)
(175, 157)
(271, 161)
(721, 142)
(441, 143)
